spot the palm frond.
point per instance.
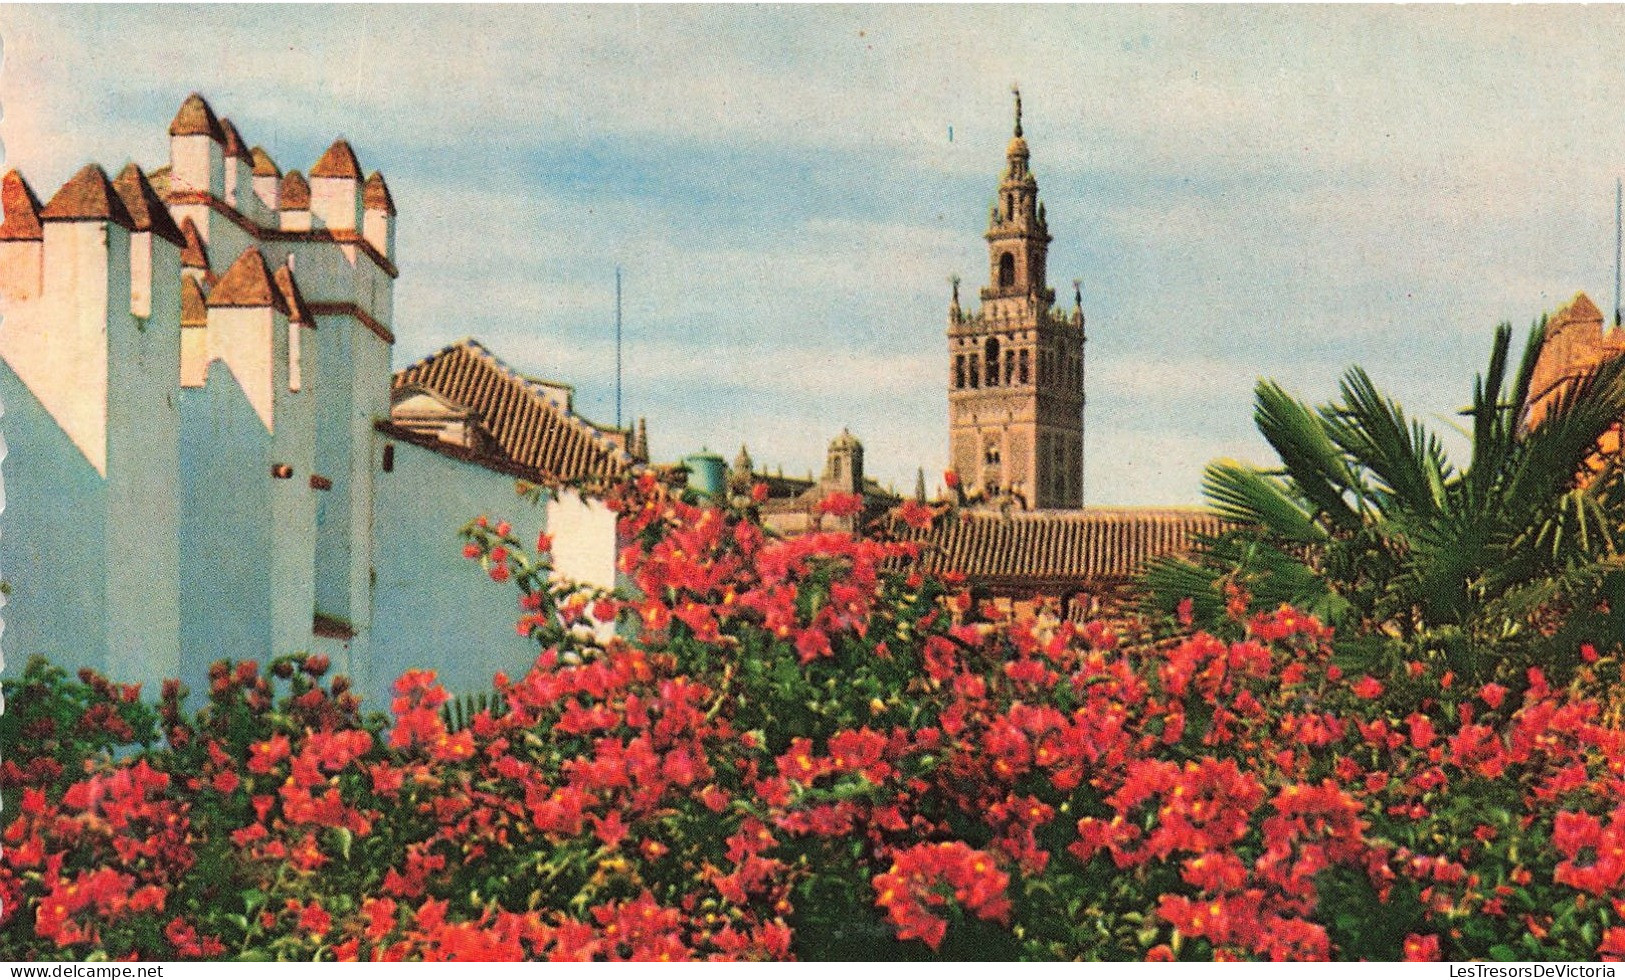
(1407, 460)
(1312, 460)
(1242, 494)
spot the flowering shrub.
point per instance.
(800, 748)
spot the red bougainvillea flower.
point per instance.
(916, 515)
(841, 504)
(1367, 687)
(1421, 949)
(1612, 947)
(927, 876)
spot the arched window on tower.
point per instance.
(974, 372)
(1009, 367)
(959, 371)
(991, 360)
(1007, 270)
(1009, 206)
(1023, 368)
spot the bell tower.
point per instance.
(1015, 377)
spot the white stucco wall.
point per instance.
(89, 538)
(433, 608)
(251, 345)
(335, 202)
(584, 542)
(227, 536)
(57, 344)
(293, 508)
(143, 446)
(197, 163)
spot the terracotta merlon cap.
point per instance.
(235, 147)
(291, 298)
(194, 255)
(264, 166)
(247, 283)
(195, 118)
(145, 207)
(338, 161)
(1581, 308)
(22, 210)
(295, 192)
(375, 194)
(194, 308)
(89, 196)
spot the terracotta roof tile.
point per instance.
(247, 283)
(194, 254)
(338, 161)
(1059, 546)
(194, 308)
(89, 196)
(22, 210)
(148, 212)
(375, 194)
(264, 166)
(235, 147)
(295, 192)
(195, 118)
(530, 431)
(291, 298)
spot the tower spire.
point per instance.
(1016, 91)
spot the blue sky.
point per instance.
(1244, 192)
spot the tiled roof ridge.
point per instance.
(88, 196)
(581, 425)
(145, 208)
(531, 430)
(1095, 513)
(22, 209)
(1075, 546)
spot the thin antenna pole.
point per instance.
(1619, 239)
(617, 347)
